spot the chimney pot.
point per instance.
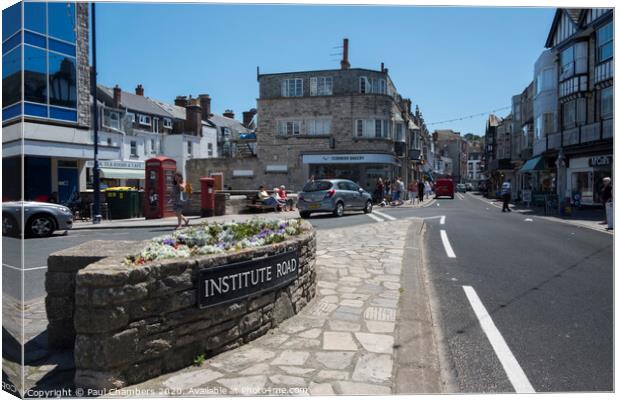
(382, 67)
(247, 117)
(229, 114)
(205, 103)
(140, 90)
(193, 117)
(344, 64)
(180, 101)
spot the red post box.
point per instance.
(159, 174)
(207, 197)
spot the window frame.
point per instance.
(167, 123)
(286, 87)
(142, 119)
(601, 45)
(610, 114)
(133, 148)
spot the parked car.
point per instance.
(444, 188)
(469, 187)
(333, 195)
(41, 219)
(460, 187)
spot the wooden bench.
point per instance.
(255, 204)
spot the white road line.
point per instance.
(384, 215)
(370, 215)
(517, 377)
(24, 269)
(446, 244)
(442, 221)
(460, 196)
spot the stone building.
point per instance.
(450, 144)
(342, 123)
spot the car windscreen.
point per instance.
(317, 186)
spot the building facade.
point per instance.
(46, 99)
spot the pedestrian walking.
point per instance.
(505, 193)
(412, 191)
(606, 196)
(427, 189)
(421, 188)
(388, 190)
(398, 187)
(180, 197)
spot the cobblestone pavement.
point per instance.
(341, 343)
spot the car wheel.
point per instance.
(9, 225)
(304, 214)
(40, 226)
(339, 210)
(368, 208)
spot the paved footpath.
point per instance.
(341, 343)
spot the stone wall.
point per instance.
(133, 323)
(62, 268)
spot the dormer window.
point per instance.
(321, 86)
(145, 120)
(292, 87)
(167, 123)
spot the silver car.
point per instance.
(40, 219)
(333, 195)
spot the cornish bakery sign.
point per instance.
(232, 282)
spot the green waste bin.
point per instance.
(123, 204)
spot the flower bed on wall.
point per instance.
(217, 238)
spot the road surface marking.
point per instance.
(437, 204)
(529, 220)
(442, 221)
(460, 196)
(370, 215)
(24, 269)
(384, 215)
(446, 244)
(513, 370)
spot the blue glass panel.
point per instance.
(61, 19)
(34, 39)
(12, 77)
(11, 20)
(62, 47)
(61, 113)
(37, 110)
(12, 111)
(62, 81)
(35, 75)
(34, 16)
(10, 44)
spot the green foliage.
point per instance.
(199, 360)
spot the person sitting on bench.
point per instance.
(282, 194)
(266, 199)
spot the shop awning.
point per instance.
(533, 164)
(121, 173)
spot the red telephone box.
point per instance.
(159, 176)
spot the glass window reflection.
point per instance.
(11, 77)
(61, 19)
(34, 16)
(62, 81)
(11, 20)
(35, 70)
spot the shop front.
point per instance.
(117, 173)
(585, 177)
(364, 169)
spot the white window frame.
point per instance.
(210, 149)
(289, 128)
(132, 116)
(318, 127)
(153, 146)
(167, 123)
(365, 85)
(144, 120)
(155, 121)
(133, 148)
(321, 86)
(292, 87)
(107, 117)
(190, 148)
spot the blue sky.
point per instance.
(451, 61)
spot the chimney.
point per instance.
(181, 101)
(205, 103)
(139, 90)
(229, 114)
(117, 96)
(193, 117)
(247, 117)
(344, 64)
(382, 67)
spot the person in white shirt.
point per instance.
(505, 192)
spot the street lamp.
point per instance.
(96, 217)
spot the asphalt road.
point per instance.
(547, 287)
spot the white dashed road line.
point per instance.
(446, 244)
(442, 221)
(371, 215)
(384, 215)
(460, 196)
(517, 377)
